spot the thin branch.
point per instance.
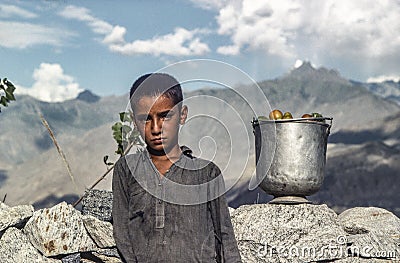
(60, 152)
(103, 176)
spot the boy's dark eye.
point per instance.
(166, 115)
(143, 118)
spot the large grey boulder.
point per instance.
(58, 230)
(14, 216)
(371, 245)
(100, 231)
(361, 220)
(98, 203)
(288, 233)
(101, 256)
(106, 258)
(15, 247)
(363, 260)
(372, 232)
(72, 258)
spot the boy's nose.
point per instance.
(156, 126)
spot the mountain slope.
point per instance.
(306, 90)
(389, 90)
(24, 135)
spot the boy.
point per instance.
(168, 205)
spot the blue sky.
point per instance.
(53, 49)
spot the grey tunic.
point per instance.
(171, 218)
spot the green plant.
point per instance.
(124, 135)
(6, 92)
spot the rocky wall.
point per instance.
(264, 232)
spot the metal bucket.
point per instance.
(291, 156)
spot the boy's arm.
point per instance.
(229, 243)
(231, 251)
(120, 211)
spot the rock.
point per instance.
(361, 220)
(373, 232)
(371, 245)
(107, 259)
(102, 255)
(15, 247)
(100, 231)
(14, 216)
(58, 230)
(109, 252)
(3, 205)
(231, 210)
(288, 233)
(73, 258)
(98, 203)
(363, 260)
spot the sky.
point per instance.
(54, 49)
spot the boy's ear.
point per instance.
(184, 114)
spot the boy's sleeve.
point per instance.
(229, 243)
(120, 211)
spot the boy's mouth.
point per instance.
(158, 140)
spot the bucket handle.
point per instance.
(328, 131)
(255, 122)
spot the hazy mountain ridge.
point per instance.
(389, 90)
(83, 129)
(306, 90)
(24, 135)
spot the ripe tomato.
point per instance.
(275, 115)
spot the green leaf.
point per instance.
(3, 101)
(10, 86)
(125, 117)
(316, 115)
(118, 137)
(134, 135)
(117, 132)
(117, 126)
(9, 95)
(126, 129)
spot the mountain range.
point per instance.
(363, 157)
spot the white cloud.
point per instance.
(116, 36)
(23, 35)
(83, 14)
(10, 11)
(383, 78)
(258, 25)
(210, 4)
(182, 42)
(228, 50)
(314, 28)
(51, 84)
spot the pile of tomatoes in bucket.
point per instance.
(278, 115)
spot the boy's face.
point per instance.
(158, 120)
